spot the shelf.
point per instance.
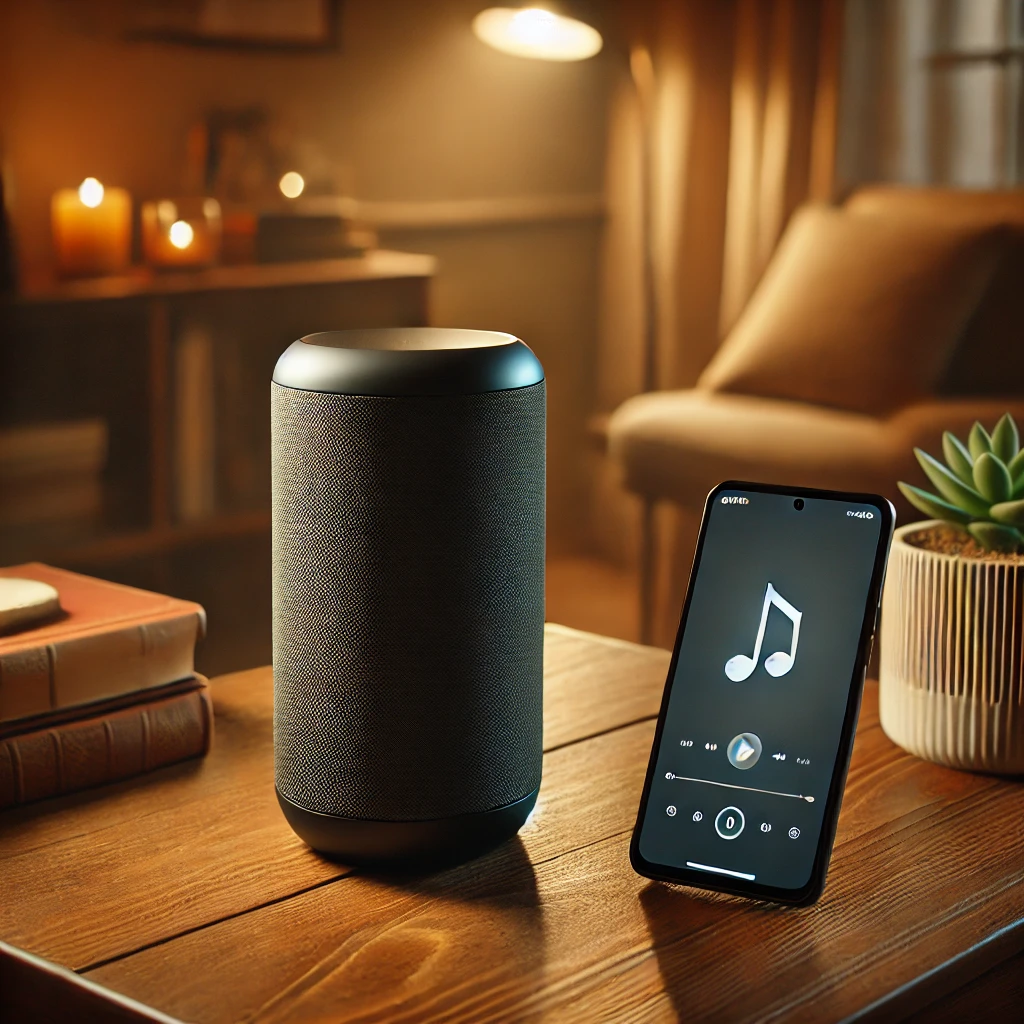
(199, 395)
(163, 539)
(142, 282)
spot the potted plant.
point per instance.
(951, 679)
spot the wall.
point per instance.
(411, 103)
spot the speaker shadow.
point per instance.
(461, 939)
(501, 875)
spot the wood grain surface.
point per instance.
(190, 894)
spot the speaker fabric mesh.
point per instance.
(408, 563)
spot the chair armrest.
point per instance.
(922, 425)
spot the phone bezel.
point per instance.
(816, 883)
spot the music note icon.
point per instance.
(740, 667)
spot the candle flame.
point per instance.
(90, 192)
(291, 185)
(181, 234)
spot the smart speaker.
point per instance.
(408, 582)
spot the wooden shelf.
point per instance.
(379, 288)
(181, 364)
(123, 545)
(142, 282)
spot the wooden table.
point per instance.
(188, 892)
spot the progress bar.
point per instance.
(749, 789)
(720, 871)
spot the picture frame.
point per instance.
(238, 24)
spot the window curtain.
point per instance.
(726, 123)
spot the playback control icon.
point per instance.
(743, 750)
(729, 823)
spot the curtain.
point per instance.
(726, 123)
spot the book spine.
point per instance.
(90, 668)
(106, 748)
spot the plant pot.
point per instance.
(951, 678)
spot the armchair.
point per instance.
(876, 326)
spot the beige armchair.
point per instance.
(877, 325)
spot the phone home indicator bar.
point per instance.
(719, 871)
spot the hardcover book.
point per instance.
(109, 640)
(77, 749)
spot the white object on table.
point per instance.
(23, 602)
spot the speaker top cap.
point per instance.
(408, 361)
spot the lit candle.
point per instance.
(92, 229)
(181, 233)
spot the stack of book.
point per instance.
(315, 228)
(102, 691)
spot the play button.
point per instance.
(743, 750)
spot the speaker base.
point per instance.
(406, 844)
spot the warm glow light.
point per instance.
(181, 234)
(90, 192)
(535, 32)
(291, 185)
(166, 211)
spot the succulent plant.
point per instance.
(981, 486)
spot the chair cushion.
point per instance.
(857, 312)
(677, 445)
(989, 360)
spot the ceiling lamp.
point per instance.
(539, 32)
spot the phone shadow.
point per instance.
(728, 958)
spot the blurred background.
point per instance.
(759, 239)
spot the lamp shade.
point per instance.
(537, 32)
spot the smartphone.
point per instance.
(756, 726)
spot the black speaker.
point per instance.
(408, 581)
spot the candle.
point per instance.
(181, 233)
(92, 229)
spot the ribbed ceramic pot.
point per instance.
(951, 679)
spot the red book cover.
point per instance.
(109, 640)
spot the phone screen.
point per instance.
(760, 688)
